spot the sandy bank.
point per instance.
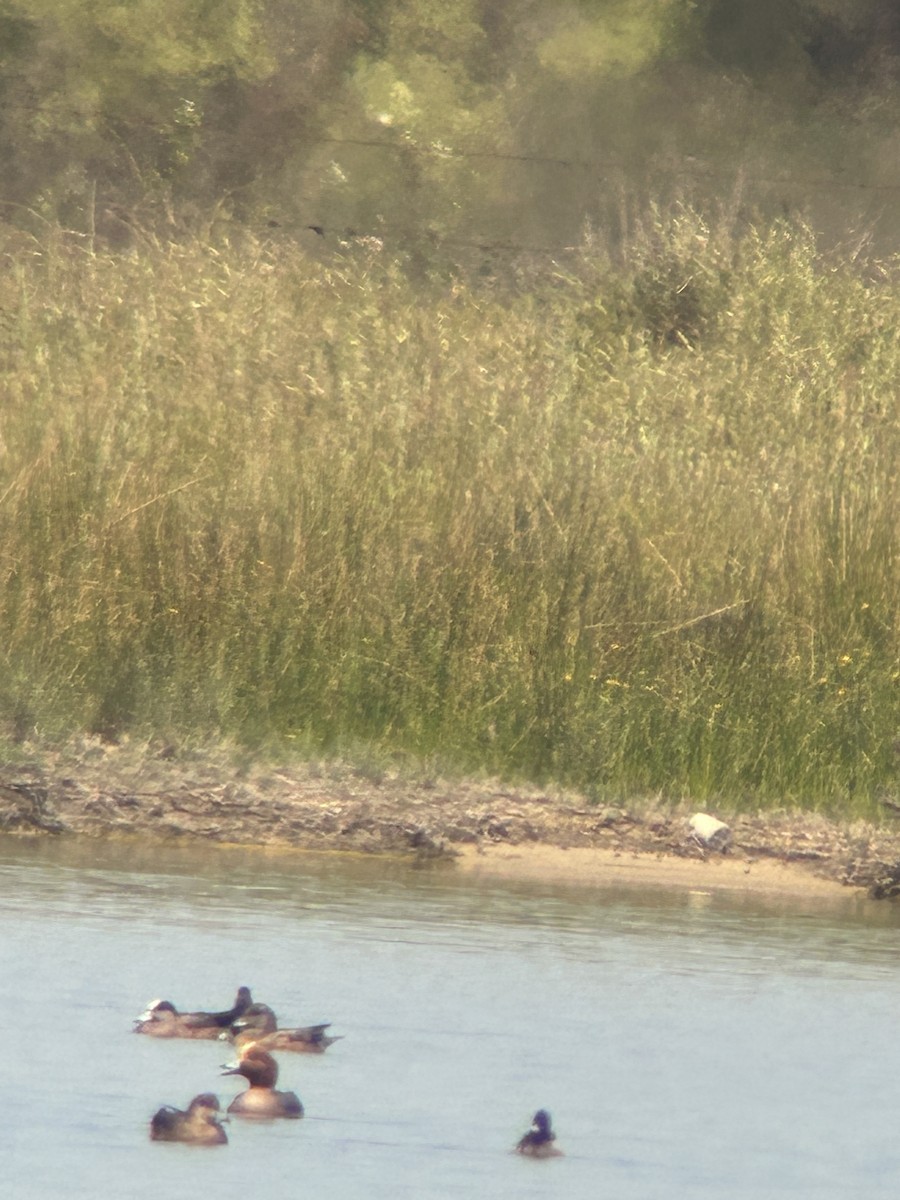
(597, 867)
(96, 790)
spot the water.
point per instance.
(687, 1046)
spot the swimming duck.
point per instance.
(162, 1019)
(258, 1024)
(260, 1099)
(538, 1141)
(199, 1124)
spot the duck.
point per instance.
(162, 1019)
(199, 1124)
(261, 1099)
(258, 1024)
(538, 1141)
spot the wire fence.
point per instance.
(689, 169)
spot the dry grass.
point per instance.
(632, 529)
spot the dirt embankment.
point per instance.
(102, 791)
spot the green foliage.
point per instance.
(112, 93)
(249, 495)
(606, 37)
(438, 124)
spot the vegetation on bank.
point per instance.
(623, 525)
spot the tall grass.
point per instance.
(631, 528)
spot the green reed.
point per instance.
(630, 528)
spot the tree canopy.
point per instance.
(515, 119)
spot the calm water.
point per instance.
(688, 1046)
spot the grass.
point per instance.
(629, 527)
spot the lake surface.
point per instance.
(687, 1045)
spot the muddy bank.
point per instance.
(99, 791)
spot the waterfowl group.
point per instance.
(253, 1029)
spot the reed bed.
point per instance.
(629, 527)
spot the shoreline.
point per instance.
(611, 869)
(486, 828)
